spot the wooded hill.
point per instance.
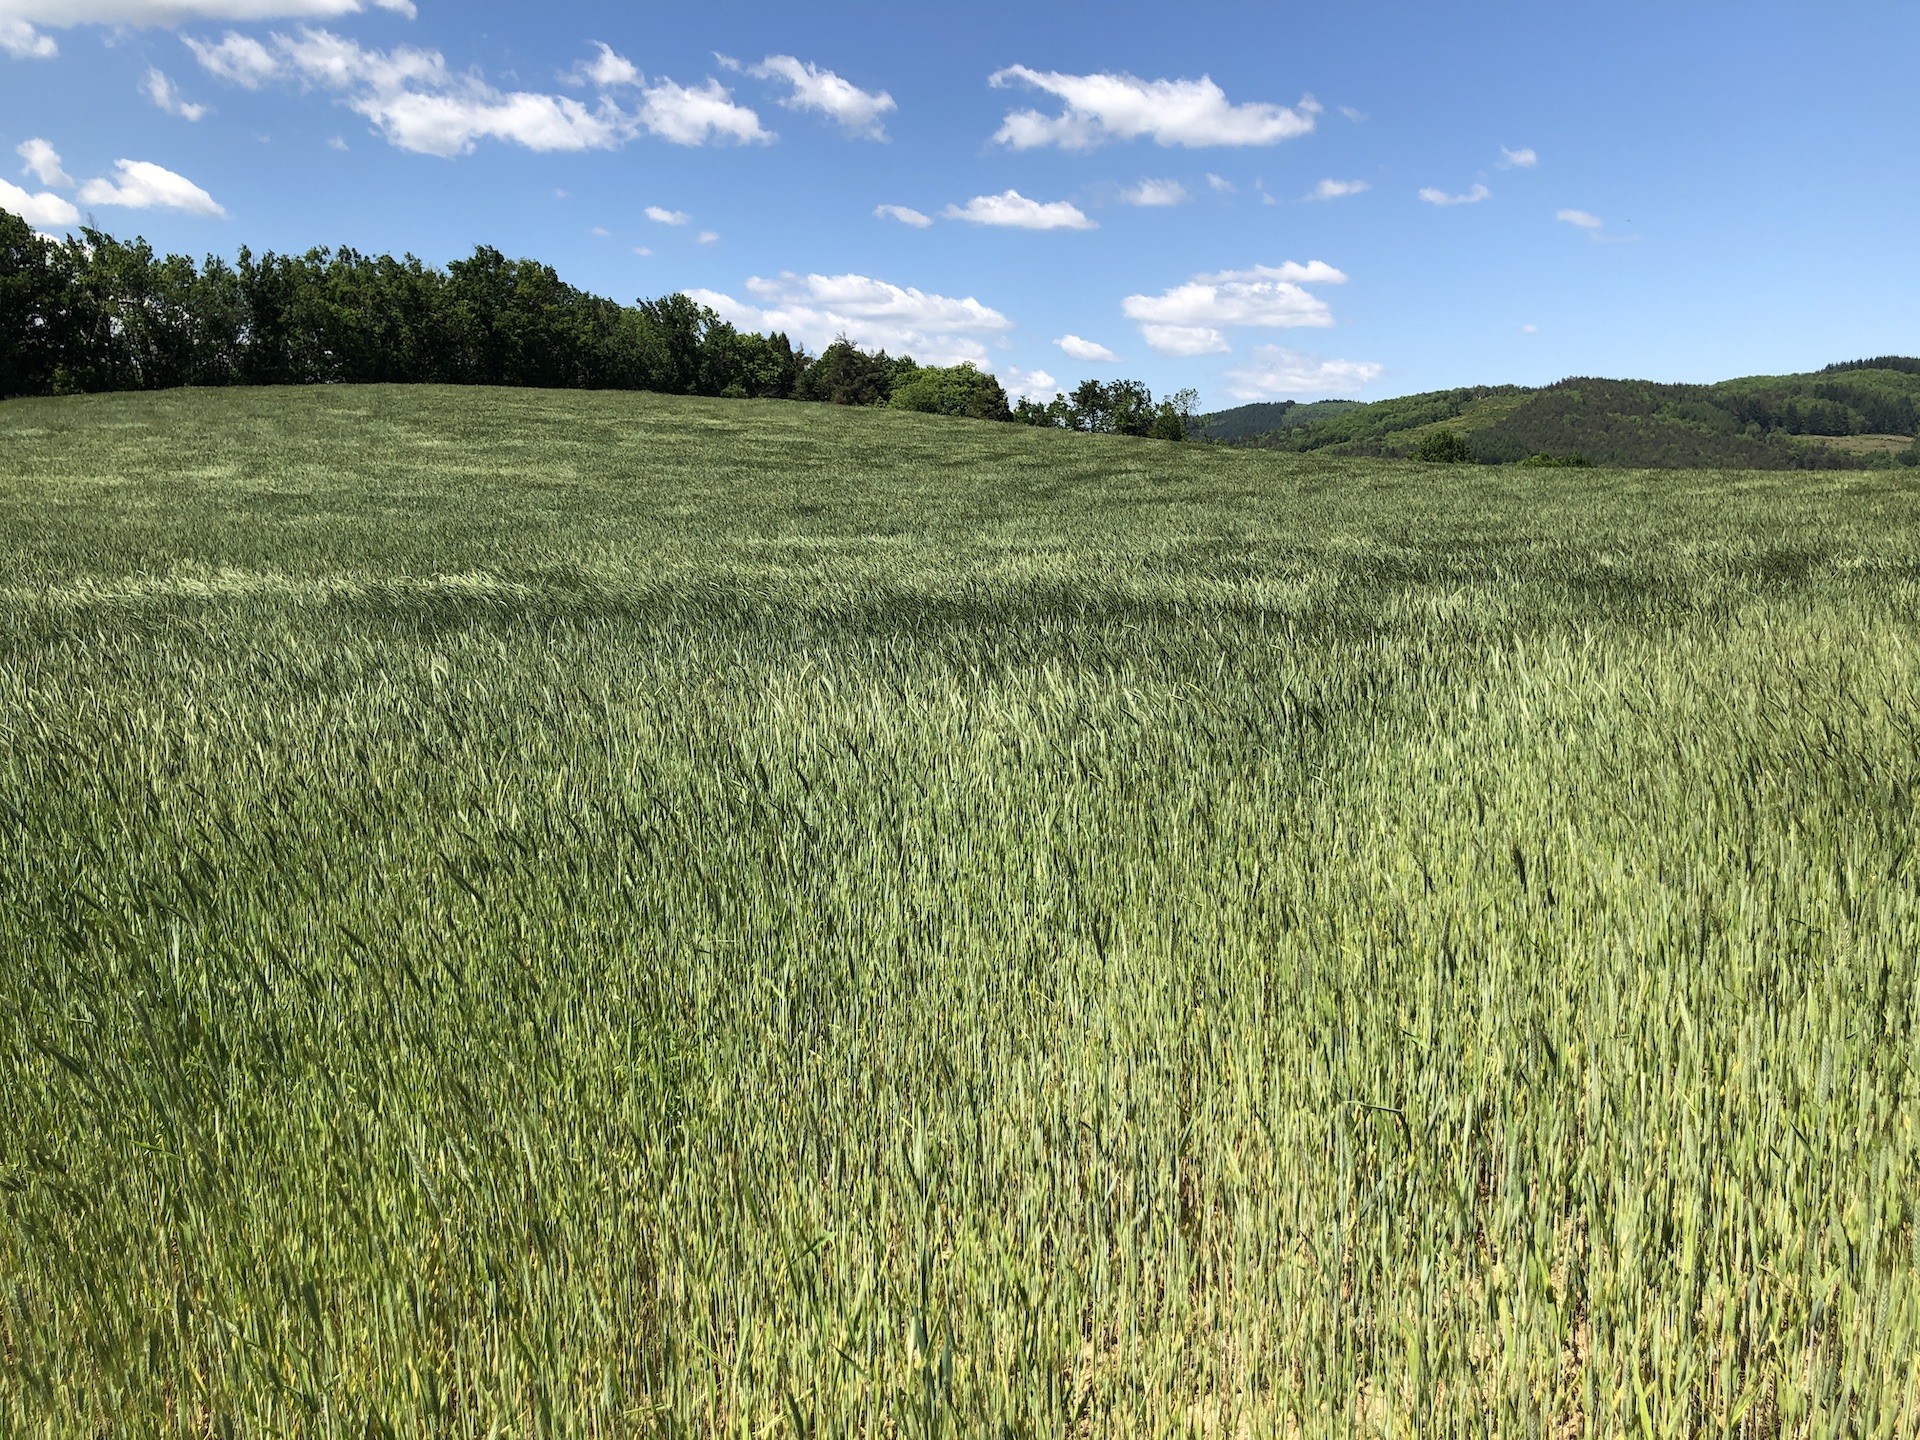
(1852, 415)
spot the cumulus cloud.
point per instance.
(607, 69)
(419, 104)
(707, 237)
(165, 94)
(1335, 189)
(854, 110)
(817, 309)
(142, 185)
(1101, 107)
(1585, 219)
(699, 115)
(1518, 159)
(43, 162)
(1028, 384)
(1089, 351)
(1434, 195)
(1272, 370)
(660, 215)
(1155, 193)
(23, 42)
(41, 209)
(906, 215)
(1012, 209)
(1220, 184)
(62, 13)
(1189, 319)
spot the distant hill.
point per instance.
(1245, 420)
(1852, 415)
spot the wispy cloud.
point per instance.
(1013, 210)
(1434, 195)
(1336, 189)
(854, 110)
(1190, 319)
(420, 104)
(905, 214)
(1518, 159)
(1155, 193)
(1101, 107)
(1272, 370)
(1585, 219)
(165, 94)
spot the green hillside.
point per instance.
(1245, 420)
(536, 913)
(1852, 416)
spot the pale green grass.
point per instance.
(530, 914)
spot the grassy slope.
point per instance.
(590, 910)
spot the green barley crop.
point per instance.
(595, 915)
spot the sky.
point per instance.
(1261, 201)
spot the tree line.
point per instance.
(93, 313)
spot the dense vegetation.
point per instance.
(536, 913)
(92, 313)
(1766, 422)
(1259, 419)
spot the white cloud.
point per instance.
(42, 209)
(142, 185)
(1188, 319)
(1335, 189)
(1586, 220)
(164, 93)
(1011, 208)
(1275, 371)
(1185, 339)
(1032, 384)
(1089, 351)
(1220, 184)
(660, 215)
(1102, 107)
(707, 237)
(855, 110)
(600, 232)
(1518, 159)
(43, 162)
(338, 142)
(1358, 117)
(23, 42)
(419, 104)
(904, 214)
(1433, 195)
(238, 59)
(643, 250)
(1529, 329)
(607, 70)
(816, 309)
(63, 13)
(690, 115)
(1155, 193)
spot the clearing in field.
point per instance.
(592, 914)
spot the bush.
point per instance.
(1445, 447)
(952, 390)
(1543, 461)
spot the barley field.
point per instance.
(594, 915)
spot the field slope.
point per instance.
(594, 914)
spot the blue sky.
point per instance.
(1362, 199)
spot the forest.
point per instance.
(93, 313)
